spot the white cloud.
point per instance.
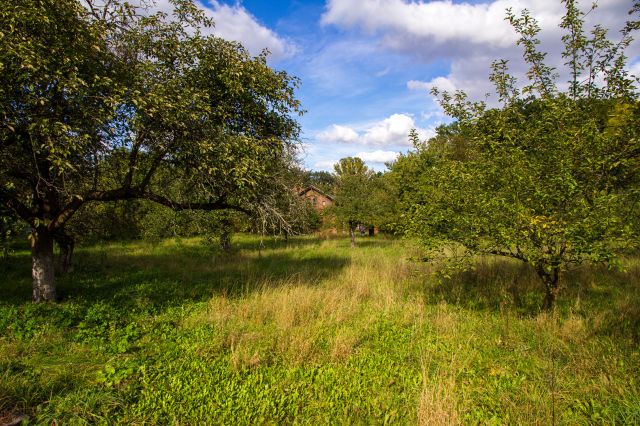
(391, 131)
(437, 20)
(469, 75)
(418, 85)
(468, 36)
(324, 165)
(437, 115)
(235, 23)
(304, 148)
(337, 133)
(441, 83)
(378, 156)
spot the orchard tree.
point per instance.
(100, 101)
(281, 211)
(384, 206)
(550, 178)
(353, 198)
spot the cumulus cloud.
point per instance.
(470, 75)
(438, 20)
(418, 85)
(337, 133)
(391, 131)
(467, 36)
(456, 26)
(237, 24)
(378, 156)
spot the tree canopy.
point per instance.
(550, 177)
(101, 101)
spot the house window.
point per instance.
(324, 203)
(314, 201)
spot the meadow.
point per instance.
(310, 331)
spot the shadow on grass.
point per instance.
(609, 298)
(169, 276)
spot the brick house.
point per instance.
(320, 201)
(318, 198)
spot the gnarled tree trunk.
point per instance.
(352, 233)
(550, 280)
(42, 268)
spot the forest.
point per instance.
(160, 263)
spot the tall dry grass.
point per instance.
(491, 337)
(297, 319)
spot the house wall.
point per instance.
(319, 201)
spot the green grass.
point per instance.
(314, 332)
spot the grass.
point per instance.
(313, 332)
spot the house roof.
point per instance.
(316, 189)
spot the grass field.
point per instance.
(311, 331)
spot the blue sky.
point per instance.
(366, 66)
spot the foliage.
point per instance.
(10, 228)
(350, 166)
(550, 178)
(101, 102)
(364, 197)
(353, 202)
(325, 181)
(384, 206)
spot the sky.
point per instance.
(366, 66)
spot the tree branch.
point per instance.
(154, 165)
(127, 194)
(507, 254)
(20, 209)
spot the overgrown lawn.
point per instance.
(311, 331)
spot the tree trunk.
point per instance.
(66, 255)
(225, 239)
(550, 280)
(352, 233)
(66, 244)
(42, 269)
(226, 230)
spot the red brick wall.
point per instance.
(318, 200)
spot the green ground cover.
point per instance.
(311, 331)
